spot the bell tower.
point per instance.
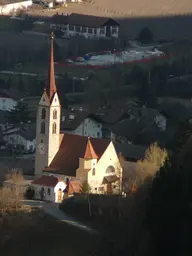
(48, 120)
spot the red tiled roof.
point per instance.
(48, 181)
(72, 148)
(74, 187)
(90, 152)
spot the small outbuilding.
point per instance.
(48, 188)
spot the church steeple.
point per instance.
(48, 121)
(90, 152)
(51, 86)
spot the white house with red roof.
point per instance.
(49, 188)
(68, 156)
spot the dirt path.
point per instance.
(53, 210)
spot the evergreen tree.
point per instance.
(169, 202)
(145, 36)
(85, 188)
(19, 114)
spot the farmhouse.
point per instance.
(22, 138)
(68, 156)
(81, 123)
(12, 6)
(85, 25)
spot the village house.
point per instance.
(53, 189)
(11, 7)
(21, 138)
(48, 188)
(85, 25)
(81, 123)
(68, 156)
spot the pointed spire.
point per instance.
(51, 86)
(90, 152)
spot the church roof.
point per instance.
(90, 152)
(51, 86)
(73, 147)
(48, 181)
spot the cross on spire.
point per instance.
(51, 86)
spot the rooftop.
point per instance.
(72, 119)
(48, 181)
(82, 20)
(72, 148)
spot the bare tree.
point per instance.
(11, 197)
(154, 159)
(15, 176)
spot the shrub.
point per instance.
(29, 193)
(10, 199)
(85, 188)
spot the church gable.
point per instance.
(55, 101)
(44, 101)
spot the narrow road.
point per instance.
(53, 210)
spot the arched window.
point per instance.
(54, 114)
(43, 114)
(110, 169)
(43, 127)
(93, 172)
(54, 128)
(49, 191)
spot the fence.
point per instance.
(89, 66)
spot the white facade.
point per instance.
(72, 30)
(16, 139)
(7, 103)
(47, 137)
(13, 7)
(90, 128)
(94, 171)
(50, 193)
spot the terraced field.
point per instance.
(138, 8)
(126, 8)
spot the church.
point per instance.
(67, 156)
